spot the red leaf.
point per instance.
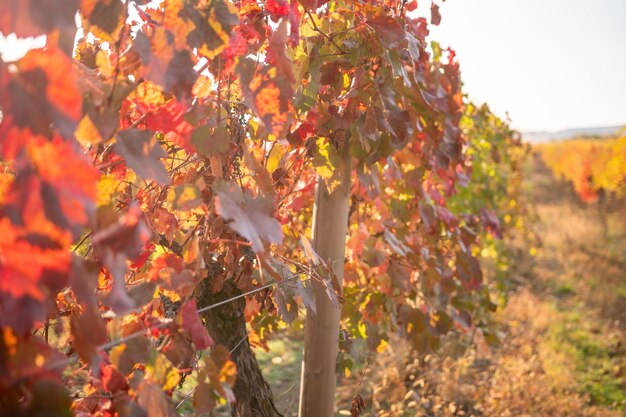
(45, 197)
(33, 18)
(468, 271)
(435, 15)
(165, 261)
(358, 405)
(154, 401)
(410, 5)
(142, 153)
(170, 119)
(192, 323)
(388, 30)
(128, 235)
(43, 91)
(164, 63)
(251, 217)
(143, 257)
(117, 298)
(491, 222)
(112, 379)
(277, 53)
(294, 23)
(277, 8)
(88, 332)
(168, 270)
(269, 90)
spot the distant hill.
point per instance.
(538, 137)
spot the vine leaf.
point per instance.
(388, 30)
(192, 323)
(88, 332)
(169, 118)
(206, 28)
(112, 379)
(358, 405)
(211, 141)
(491, 222)
(154, 401)
(128, 235)
(33, 18)
(117, 298)
(277, 8)
(103, 18)
(169, 67)
(215, 379)
(43, 91)
(162, 372)
(251, 216)
(435, 16)
(142, 153)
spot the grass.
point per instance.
(281, 367)
(593, 353)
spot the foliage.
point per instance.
(593, 166)
(182, 142)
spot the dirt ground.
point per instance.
(562, 331)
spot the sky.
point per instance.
(551, 64)
(547, 64)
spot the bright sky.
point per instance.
(551, 64)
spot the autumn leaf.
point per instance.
(491, 222)
(268, 92)
(277, 8)
(112, 379)
(250, 216)
(162, 372)
(117, 298)
(211, 141)
(103, 18)
(43, 91)
(142, 153)
(125, 355)
(215, 380)
(170, 119)
(357, 406)
(127, 236)
(23, 266)
(154, 401)
(165, 64)
(28, 18)
(88, 332)
(388, 30)
(192, 323)
(435, 16)
(468, 270)
(206, 28)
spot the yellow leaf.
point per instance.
(86, 132)
(107, 186)
(162, 372)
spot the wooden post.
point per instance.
(321, 341)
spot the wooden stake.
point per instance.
(321, 342)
